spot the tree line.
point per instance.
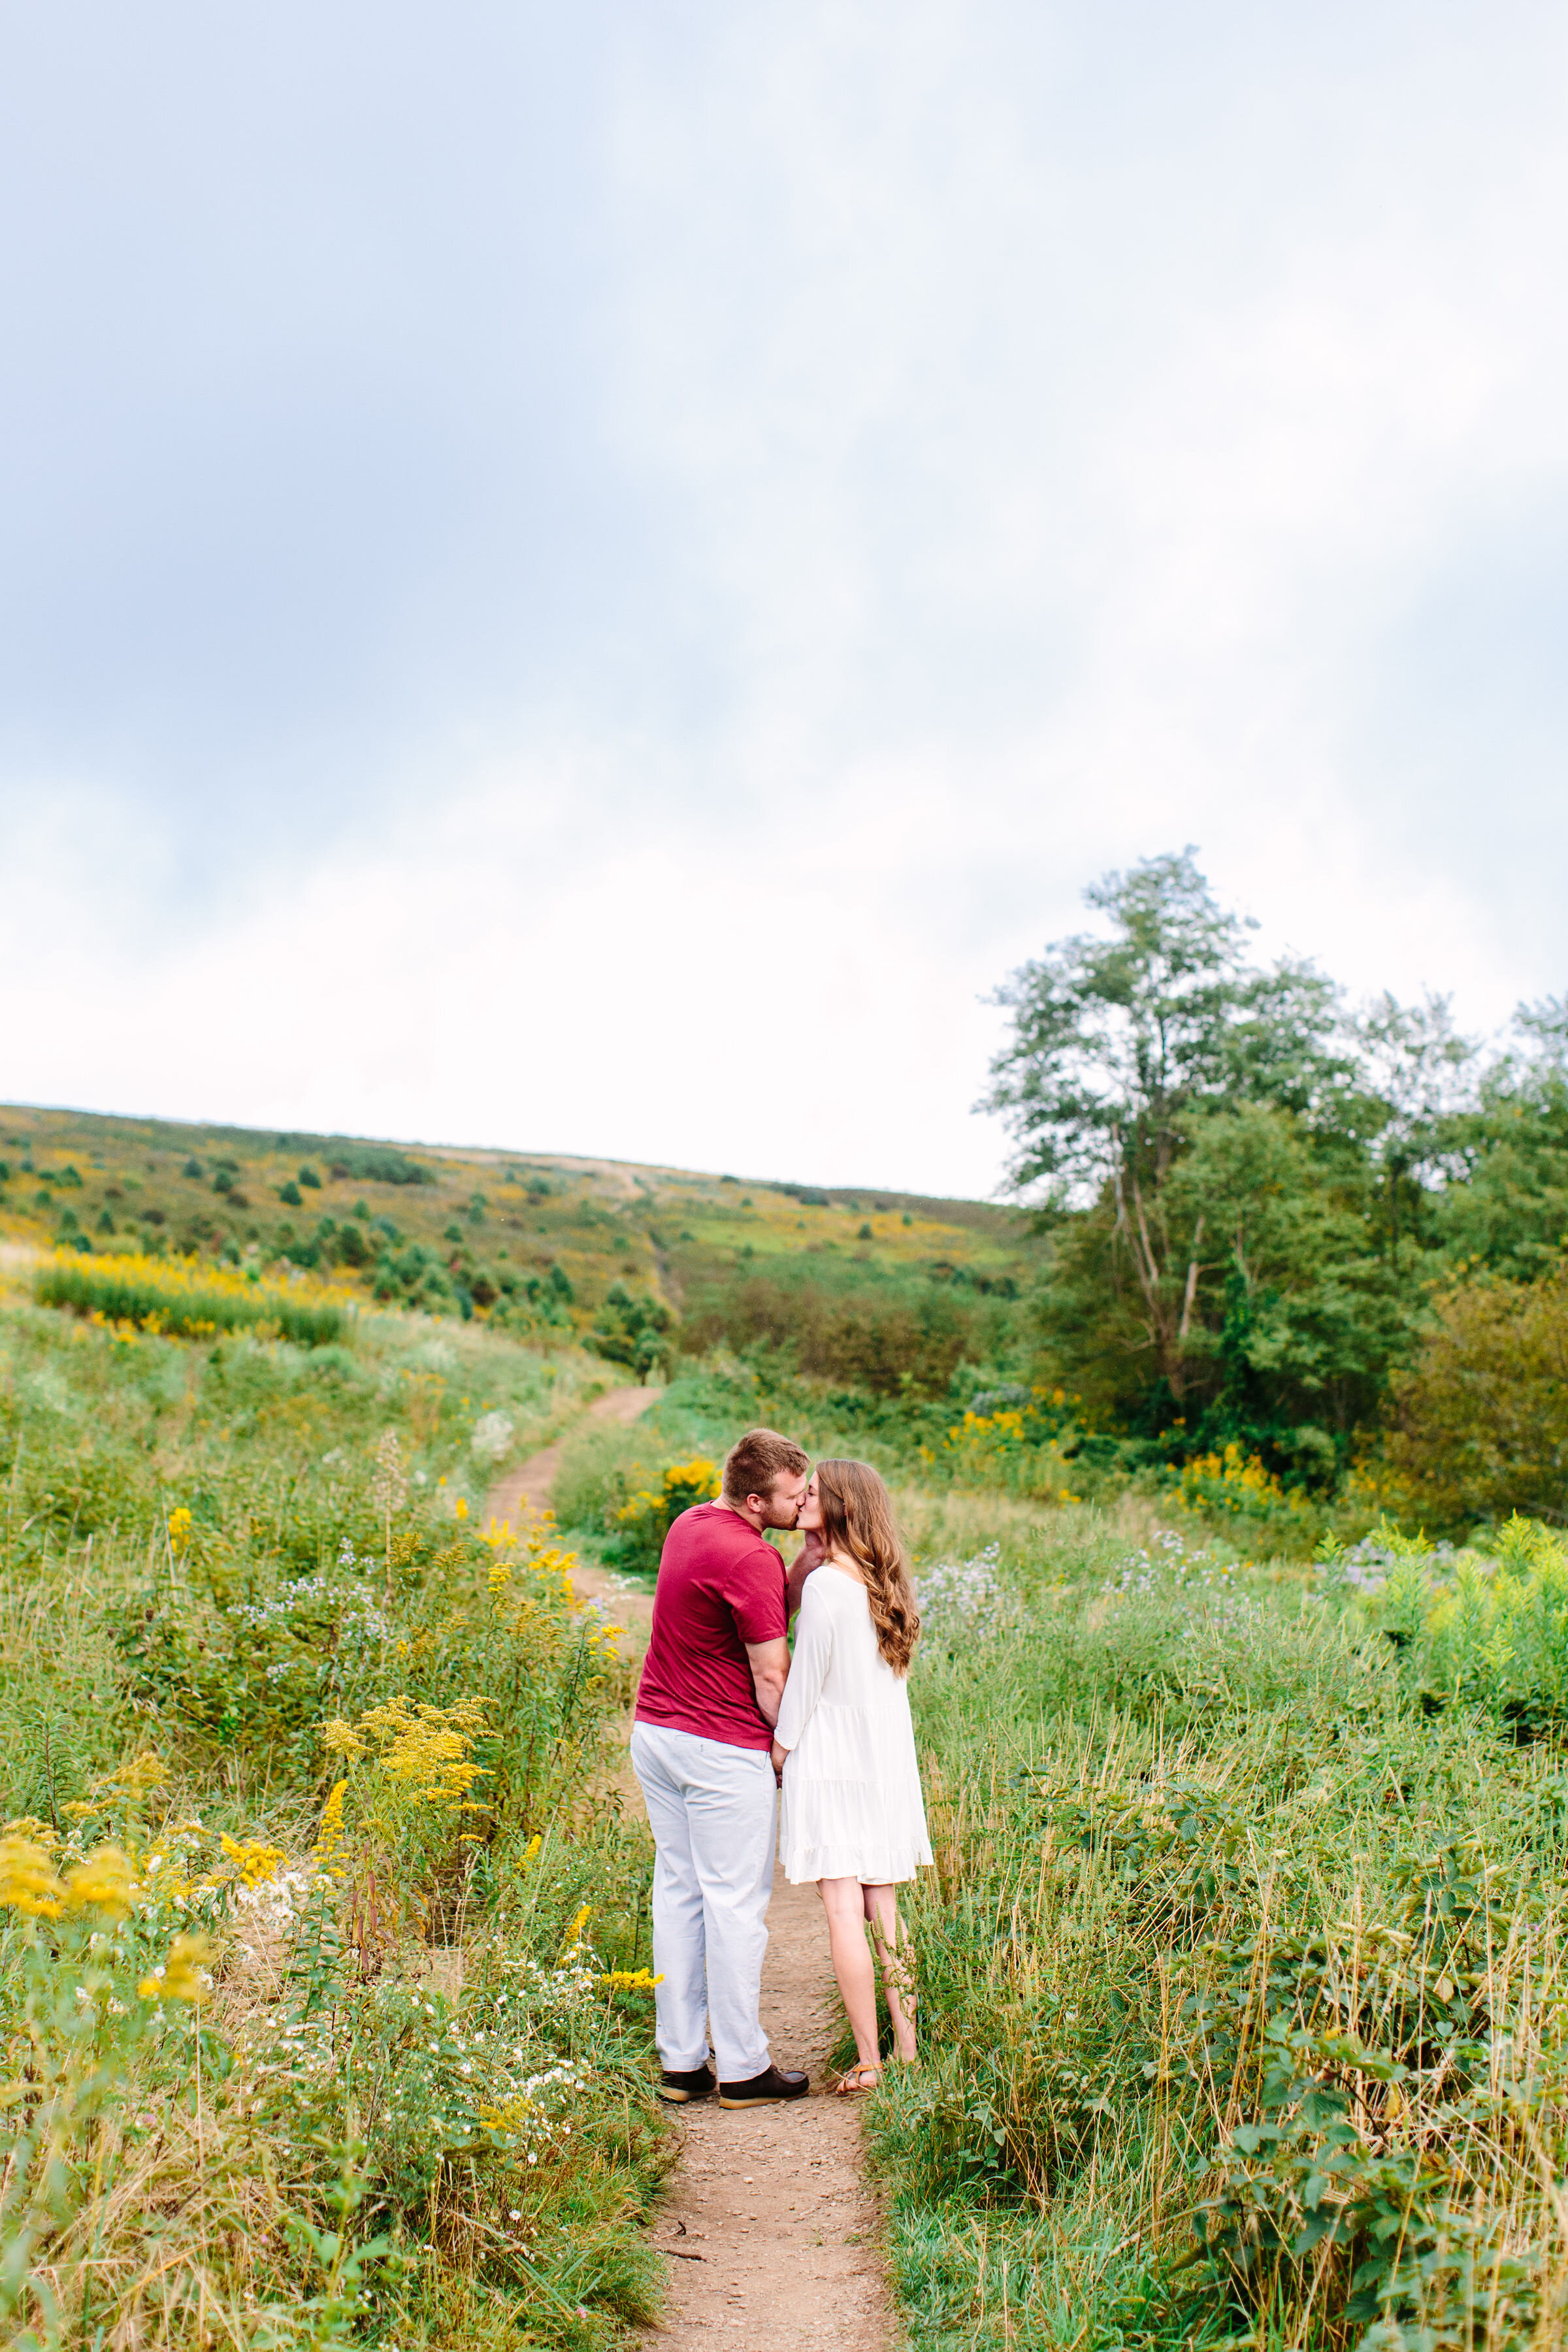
(1274, 1218)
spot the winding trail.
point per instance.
(772, 2235)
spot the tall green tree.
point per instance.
(1261, 1208)
(1503, 1201)
(1414, 1081)
(1123, 1043)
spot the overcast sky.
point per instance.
(591, 578)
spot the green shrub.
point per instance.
(1483, 1629)
(895, 1335)
(376, 1164)
(632, 1330)
(1480, 1420)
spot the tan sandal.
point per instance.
(854, 2084)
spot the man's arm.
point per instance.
(769, 1663)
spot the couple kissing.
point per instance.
(730, 1730)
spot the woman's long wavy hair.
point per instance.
(857, 1520)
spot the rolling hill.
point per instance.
(880, 1288)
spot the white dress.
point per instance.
(852, 1805)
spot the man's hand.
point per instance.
(769, 1662)
(779, 1755)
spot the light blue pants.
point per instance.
(711, 1810)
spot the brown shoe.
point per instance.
(696, 2083)
(765, 2090)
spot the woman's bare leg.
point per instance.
(841, 1899)
(880, 1908)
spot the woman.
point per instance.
(852, 1817)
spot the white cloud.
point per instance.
(944, 452)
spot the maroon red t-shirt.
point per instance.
(720, 1586)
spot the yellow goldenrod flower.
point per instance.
(330, 1834)
(629, 1980)
(254, 1862)
(340, 1738)
(179, 1530)
(29, 1825)
(184, 1975)
(140, 1778)
(28, 1881)
(429, 1744)
(105, 1880)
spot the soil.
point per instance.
(528, 1488)
(772, 2234)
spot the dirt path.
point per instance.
(775, 2205)
(529, 1487)
(773, 2236)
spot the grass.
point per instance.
(320, 1940)
(187, 1299)
(1241, 1972)
(536, 1246)
(1244, 2019)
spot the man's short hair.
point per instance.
(751, 1465)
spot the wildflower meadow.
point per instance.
(325, 1966)
(324, 1984)
(1241, 1966)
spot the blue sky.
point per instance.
(591, 579)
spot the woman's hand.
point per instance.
(779, 1755)
(811, 1555)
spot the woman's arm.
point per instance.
(808, 1668)
(808, 1557)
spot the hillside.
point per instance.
(884, 1289)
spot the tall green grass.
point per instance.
(319, 2009)
(188, 1297)
(1244, 2009)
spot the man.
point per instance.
(707, 1703)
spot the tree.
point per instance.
(1121, 1042)
(1250, 1197)
(1412, 1083)
(1481, 1420)
(1504, 1204)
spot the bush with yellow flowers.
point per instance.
(109, 2067)
(640, 1525)
(1014, 1442)
(1230, 1484)
(469, 2080)
(326, 2004)
(188, 1297)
